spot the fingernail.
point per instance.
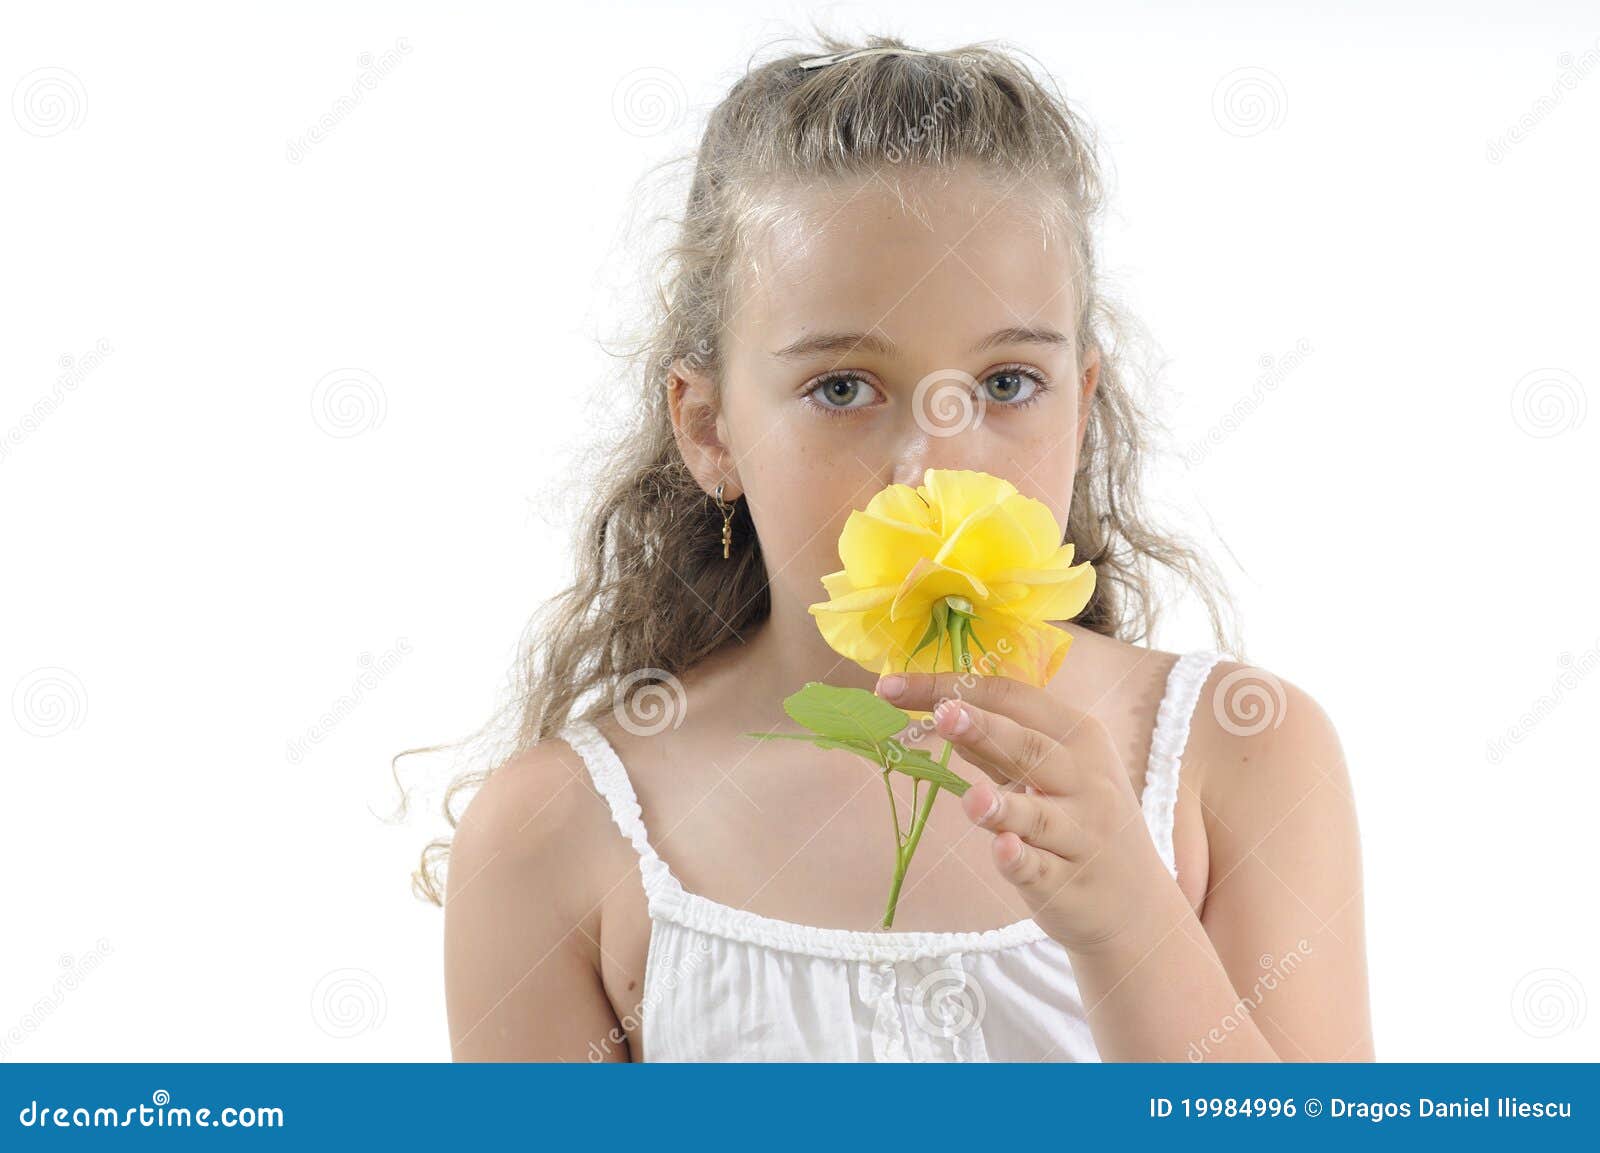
(994, 807)
(953, 716)
(891, 686)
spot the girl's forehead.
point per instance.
(962, 256)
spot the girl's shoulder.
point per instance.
(531, 865)
(539, 821)
(1266, 761)
(1254, 736)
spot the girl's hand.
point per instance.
(1076, 844)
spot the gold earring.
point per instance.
(727, 521)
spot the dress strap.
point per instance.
(1160, 800)
(611, 779)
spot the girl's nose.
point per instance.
(943, 428)
(922, 452)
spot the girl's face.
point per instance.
(867, 345)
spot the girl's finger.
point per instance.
(1002, 748)
(1028, 704)
(1043, 822)
(1037, 873)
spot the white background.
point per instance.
(197, 566)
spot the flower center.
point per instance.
(951, 622)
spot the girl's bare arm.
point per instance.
(1275, 966)
(522, 920)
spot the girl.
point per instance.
(887, 265)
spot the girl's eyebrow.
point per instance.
(872, 341)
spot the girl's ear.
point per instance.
(696, 424)
(1088, 383)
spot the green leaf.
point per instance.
(917, 763)
(865, 724)
(845, 714)
(862, 748)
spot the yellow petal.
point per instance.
(928, 582)
(868, 638)
(1038, 525)
(1045, 594)
(956, 494)
(901, 503)
(987, 541)
(1022, 651)
(855, 602)
(880, 552)
(838, 583)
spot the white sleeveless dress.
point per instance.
(724, 984)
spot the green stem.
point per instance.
(904, 852)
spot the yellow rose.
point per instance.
(963, 555)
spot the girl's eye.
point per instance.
(1015, 386)
(840, 393)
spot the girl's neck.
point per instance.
(778, 657)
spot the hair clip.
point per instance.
(836, 57)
